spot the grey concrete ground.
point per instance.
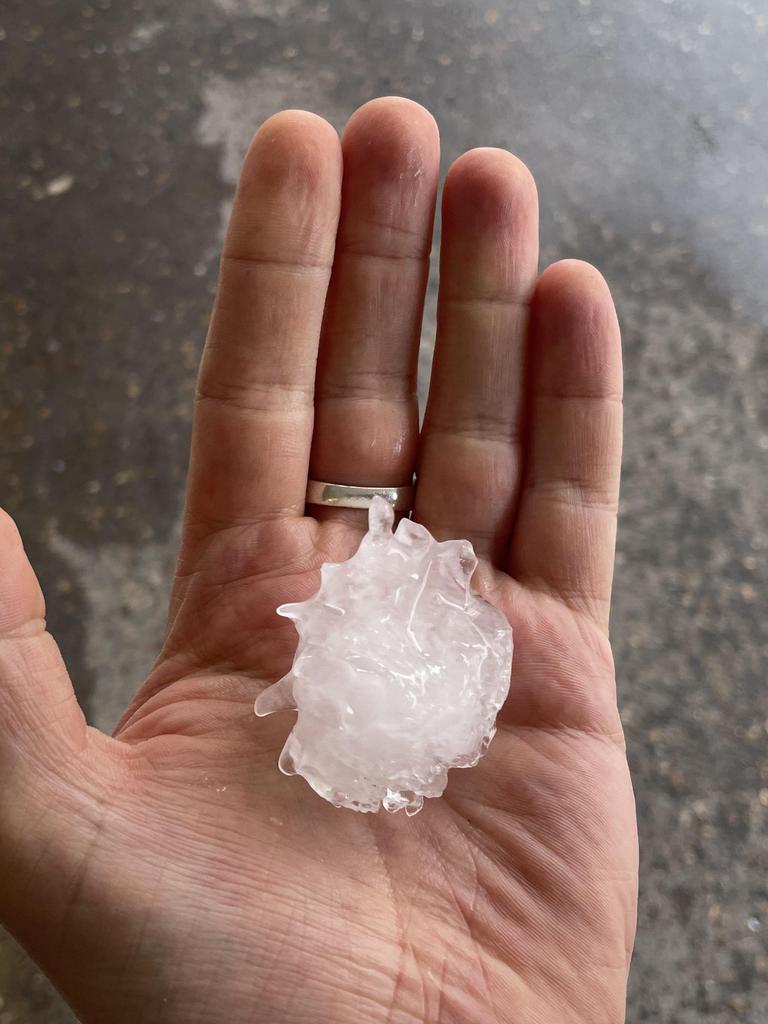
(644, 123)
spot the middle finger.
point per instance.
(366, 408)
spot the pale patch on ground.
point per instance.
(258, 8)
(234, 110)
(58, 186)
(144, 34)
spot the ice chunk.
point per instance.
(399, 672)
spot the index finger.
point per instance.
(254, 410)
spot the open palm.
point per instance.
(170, 873)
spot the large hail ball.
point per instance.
(399, 673)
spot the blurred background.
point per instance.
(124, 122)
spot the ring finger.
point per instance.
(366, 408)
(469, 466)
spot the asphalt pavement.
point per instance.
(644, 123)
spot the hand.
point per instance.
(170, 873)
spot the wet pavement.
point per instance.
(124, 124)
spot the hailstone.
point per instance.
(399, 672)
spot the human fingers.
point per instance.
(366, 409)
(254, 410)
(565, 529)
(469, 465)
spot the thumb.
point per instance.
(40, 719)
(47, 782)
(55, 772)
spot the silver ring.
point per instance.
(349, 496)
